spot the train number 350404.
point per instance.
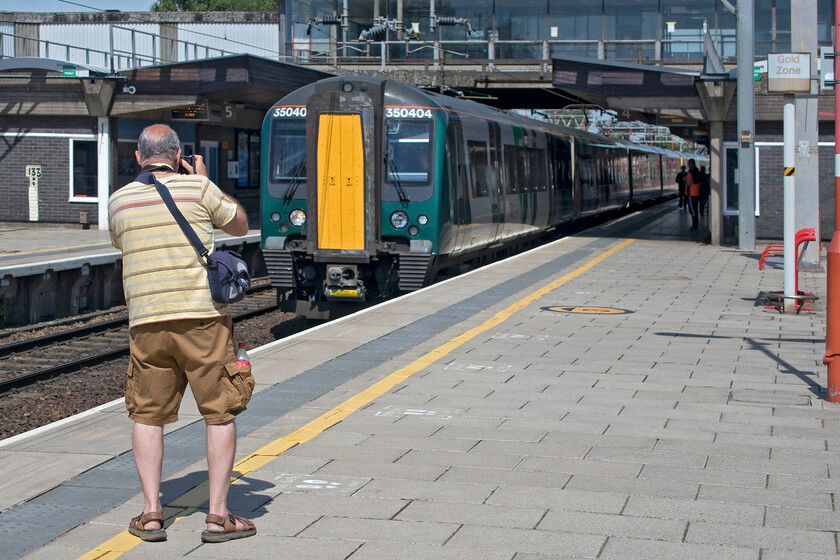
(407, 113)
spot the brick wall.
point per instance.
(770, 224)
(53, 155)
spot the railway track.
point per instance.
(36, 359)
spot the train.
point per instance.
(371, 187)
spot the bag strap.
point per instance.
(176, 213)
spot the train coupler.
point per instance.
(343, 284)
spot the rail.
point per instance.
(133, 48)
(413, 51)
(158, 49)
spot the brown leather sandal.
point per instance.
(137, 527)
(229, 533)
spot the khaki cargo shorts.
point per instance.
(166, 356)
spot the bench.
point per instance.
(773, 256)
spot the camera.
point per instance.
(189, 159)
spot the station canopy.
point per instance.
(653, 94)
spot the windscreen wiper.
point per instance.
(395, 177)
(296, 179)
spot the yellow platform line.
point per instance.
(192, 499)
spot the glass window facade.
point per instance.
(628, 21)
(574, 27)
(769, 34)
(627, 30)
(682, 28)
(631, 19)
(520, 20)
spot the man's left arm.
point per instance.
(238, 226)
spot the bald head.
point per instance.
(158, 144)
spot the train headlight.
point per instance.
(422, 219)
(275, 217)
(413, 230)
(297, 217)
(399, 219)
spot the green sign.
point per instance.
(757, 73)
(68, 71)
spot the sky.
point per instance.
(80, 5)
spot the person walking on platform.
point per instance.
(177, 333)
(705, 190)
(692, 184)
(680, 179)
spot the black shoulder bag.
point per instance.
(227, 273)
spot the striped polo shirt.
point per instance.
(163, 276)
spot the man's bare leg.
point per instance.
(147, 443)
(221, 449)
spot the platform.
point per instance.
(619, 394)
(26, 250)
(51, 273)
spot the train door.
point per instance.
(480, 195)
(475, 134)
(563, 203)
(553, 194)
(539, 175)
(494, 179)
(514, 169)
(587, 177)
(574, 175)
(525, 160)
(340, 171)
(460, 212)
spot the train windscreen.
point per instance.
(409, 151)
(288, 154)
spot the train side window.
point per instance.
(478, 162)
(409, 151)
(562, 156)
(511, 157)
(288, 158)
(539, 170)
(525, 161)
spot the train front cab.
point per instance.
(340, 224)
